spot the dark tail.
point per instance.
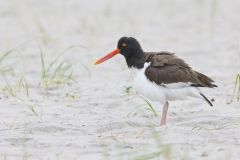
(206, 99)
(206, 81)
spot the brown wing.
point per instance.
(166, 68)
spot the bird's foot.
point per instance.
(163, 123)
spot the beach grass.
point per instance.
(56, 72)
(13, 90)
(236, 90)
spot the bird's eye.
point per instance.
(124, 44)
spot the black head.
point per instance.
(130, 49)
(129, 46)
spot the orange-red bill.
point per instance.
(109, 55)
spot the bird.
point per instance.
(160, 76)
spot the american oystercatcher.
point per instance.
(160, 76)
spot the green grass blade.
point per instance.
(53, 63)
(42, 64)
(5, 55)
(150, 106)
(236, 86)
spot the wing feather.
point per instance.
(166, 68)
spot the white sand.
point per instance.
(98, 122)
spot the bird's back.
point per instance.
(166, 68)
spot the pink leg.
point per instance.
(164, 114)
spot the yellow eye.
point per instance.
(124, 44)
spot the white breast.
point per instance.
(162, 92)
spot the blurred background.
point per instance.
(186, 27)
(47, 50)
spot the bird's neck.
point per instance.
(136, 60)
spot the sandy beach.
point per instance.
(55, 104)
